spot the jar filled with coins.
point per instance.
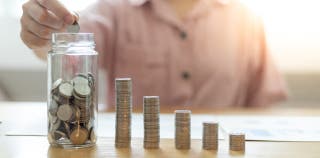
(72, 90)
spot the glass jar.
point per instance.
(72, 90)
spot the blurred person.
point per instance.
(203, 53)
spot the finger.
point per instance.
(76, 15)
(33, 41)
(41, 31)
(42, 15)
(58, 9)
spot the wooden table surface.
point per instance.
(37, 146)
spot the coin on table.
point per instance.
(79, 136)
(210, 136)
(237, 141)
(65, 112)
(182, 129)
(66, 89)
(151, 106)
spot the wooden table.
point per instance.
(37, 146)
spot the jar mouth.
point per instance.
(72, 39)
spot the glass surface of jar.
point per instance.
(72, 90)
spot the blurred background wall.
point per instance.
(292, 26)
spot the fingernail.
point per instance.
(69, 19)
(76, 16)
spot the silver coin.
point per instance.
(56, 84)
(80, 79)
(182, 129)
(237, 141)
(55, 123)
(74, 28)
(59, 134)
(82, 89)
(210, 136)
(66, 89)
(123, 112)
(151, 110)
(65, 112)
(53, 108)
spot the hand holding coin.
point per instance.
(40, 19)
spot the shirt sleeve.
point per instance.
(266, 85)
(99, 19)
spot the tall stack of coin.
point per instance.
(123, 112)
(237, 141)
(210, 136)
(71, 106)
(151, 110)
(182, 129)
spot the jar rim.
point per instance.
(72, 39)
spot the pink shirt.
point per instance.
(216, 56)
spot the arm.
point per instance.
(266, 85)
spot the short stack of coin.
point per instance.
(123, 112)
(210, 136)
(71, 110)
(151, 110)
(237, 141)
(182, 129)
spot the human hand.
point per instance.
(39, 20)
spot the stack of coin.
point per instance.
(151, 110)
(210, 136)
(71, 110)
(123, 112)
(237, 141)
(182, 129)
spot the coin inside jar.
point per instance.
(53, 108)
(55, 123)
(93, 136)
(91, 80)
(59, 134)
(79, 136)
(65, 112)
(77, 113)
(80, 79)
(51, 137)
(57, 83)
(82, 89)
(66, 89)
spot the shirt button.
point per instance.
(185, 75)
(183, 35)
